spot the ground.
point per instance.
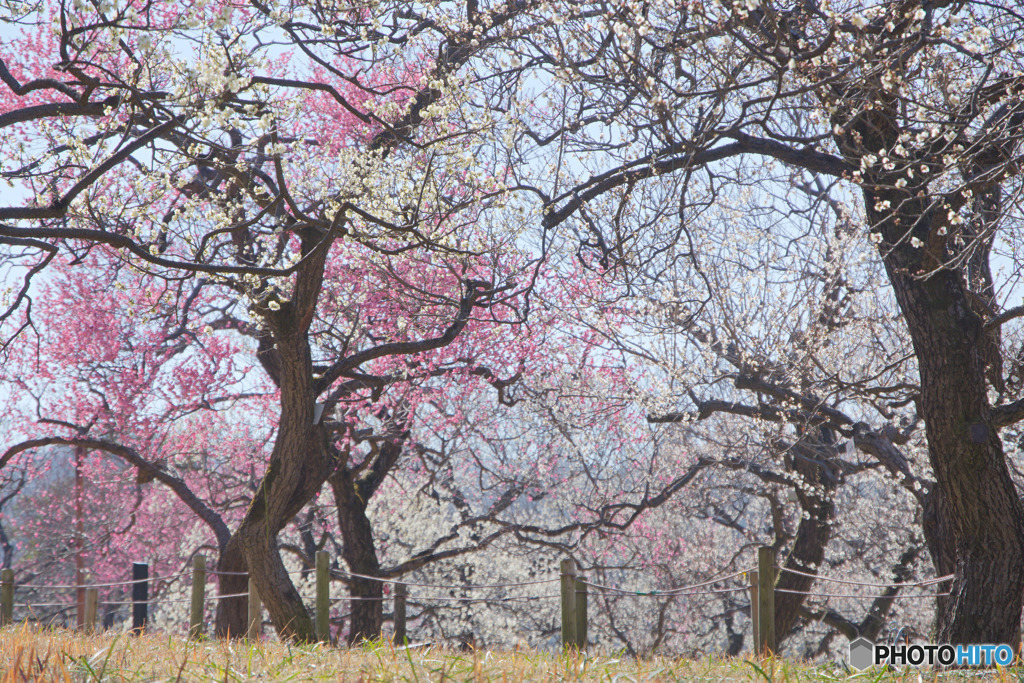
(33, 654)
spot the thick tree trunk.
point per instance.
(965, 449)
(232, 614)
(360, 553)
(299, 467)
(300, 462)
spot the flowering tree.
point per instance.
(106, 375)
(245, 145)
(911, 110)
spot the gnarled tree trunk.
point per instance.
(360, 553)
(966, 452)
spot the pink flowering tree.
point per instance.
(246, 152)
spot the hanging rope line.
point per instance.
(905, 584)
(338, 573)
(152, 579)
(689, 590)
(864, 597)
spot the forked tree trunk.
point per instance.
(300, 462)
(299, 467)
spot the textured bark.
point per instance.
(812, 537)
(353, 489)
(360, 553)
(232, 615)
(301, 459)
(299, 465)
(964, 447)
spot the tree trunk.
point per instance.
(360, 553)
(232, 616)
(300, 462)
(812, 537)
(964, 447)
(299, 467)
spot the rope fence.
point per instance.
(904, 584)
(573, 596)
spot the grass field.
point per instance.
(28, 654)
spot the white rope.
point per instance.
(864, 597)
(100, 585)
(667, 591)
(225, 597)
(33, 605)
(907, 584)
(447, 598)
(660, 594)
(441, 585)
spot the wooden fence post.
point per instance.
(198, 607)
(568, 603)
(766, 599)
(401, 593)
(323, 596)
(753, 610)
(581, 614)
(92, 600)
(140, 597)
(6, 597)
(255, 612)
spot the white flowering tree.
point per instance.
(911, 111)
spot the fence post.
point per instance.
(6, 597)
(753, 610)
(92, 600)
(766, 599)
(198, 607)
(323, 597)
(401, 593)
(255, 612)
(140, 597)
(568, 603)
(581, 614)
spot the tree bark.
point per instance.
(813, 534)
(232, 614)
(302, 457)
(964, 446)
(360, 553)
(300, 463)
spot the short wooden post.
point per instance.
(401, 594)
(581, 614)
(198, 607)
(323, 596)
(753, 609)
(92, 601)
(765, 599)
(6, 597)
(255, 612)
(568, 603)
(140, 597)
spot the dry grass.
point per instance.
(34, 654)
